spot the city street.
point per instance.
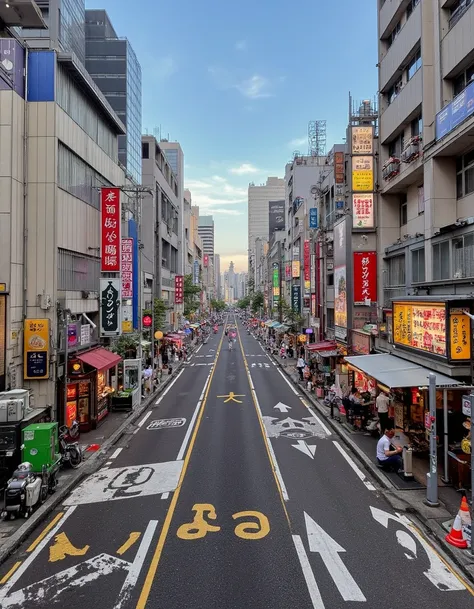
(229, 494)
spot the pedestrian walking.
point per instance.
(300, 364)
(382, 403)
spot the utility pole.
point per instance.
(432, 477)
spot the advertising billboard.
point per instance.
(36, 349)
(179, 289)
(363, 210)
(12, 66)
(110, 219)
(307, 260)
(362, 140)
(456, 112)
(362, 173)
(110, 317)
(340, 302)
(365, 277)
(295, 269)
(459, 334)
(276, 216)
(296, 298)
(421, 326)
(127, 268)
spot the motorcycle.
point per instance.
(70, 452)
(24, 491)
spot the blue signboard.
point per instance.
(456, 112)
(313, 217)
(296, 298)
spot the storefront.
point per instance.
(92, 378)
(322, 358)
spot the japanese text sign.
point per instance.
(179, 289)
(127, 268)
(460, 334)
(110, 230)
(307, 260)
(365, 277)
(420, 326)
(206, 260)
(36, 349)
(339, 170)
(363, 210)
(362, 140)
(110, 322)
(295, 269)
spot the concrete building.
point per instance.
(162, 218)
(50, 270)
(259, 197)
(217, 271)
(206, 232)
(114, 67)
(426, 202)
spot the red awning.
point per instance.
(100, 359)
(326, 345)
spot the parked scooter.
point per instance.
(70, 452)
(24, 491)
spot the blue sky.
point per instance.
(237, 82)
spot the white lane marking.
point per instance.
(108, 463)
(169, 387)
(184, 445)
(360, 474)
(137, 565)
(284, 492)
(288, 382)
(306, 449)
(315, 416)
(145, 418)
(282, 407)
(323, 544)
(39, 548)
(198, 349)
(313, 589)
(165, 495)
(116, 452)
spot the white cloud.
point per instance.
(163, 67)
(216, 192)
(255, 87)
(244, 169)
(241, 45)
(227, 212)
(297, 142)
(219, 179)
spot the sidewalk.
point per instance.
(13, 532)
(402, 496)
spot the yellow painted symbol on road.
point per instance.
(62, 547)
(231, 397)
(132, 538)
(199, 527)
(252, 530)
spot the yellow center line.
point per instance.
(45, 531)
(155, 561)
(264, 433)
(7, 576)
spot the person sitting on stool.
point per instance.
(388, 457)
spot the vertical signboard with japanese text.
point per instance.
(276, 284)
(36, 349)
(179, 289)
(296, 298)
(340, 279)
(206, 261)
(110, 218)
(196, 272)
(110, 305)
(362, 140)
(276, 216)
(365, 277)
(459, 334)
(3, 340)
(363, 210)
(307, 260)
(127, 268)
(339, 171)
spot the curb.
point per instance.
(89, 467)
(431, 526)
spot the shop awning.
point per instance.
(100, 358)
(323, 347)
(393, 371)
(268, 323)
(284, 328)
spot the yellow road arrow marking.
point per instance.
(132, 538)
(62, 547)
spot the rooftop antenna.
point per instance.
(317, 138)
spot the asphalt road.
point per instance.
(229, 493)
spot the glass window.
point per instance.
(414, 65)
(393, 34)
(145, 150)
(441, 268)
(463, 256)
(330, 318)
(462, 80)
(403, 213)
(411, 7)
(418, 265)
(396, 270)
(417, 126)
(394, 90)
(465, 175)
(77, 272)
(457, 10)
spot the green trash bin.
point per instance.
(41, 445)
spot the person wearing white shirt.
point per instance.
(387, 456)
(382, 403)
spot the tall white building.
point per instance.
(175, 157)
(259, 198)
(206, 232)
(217, 272)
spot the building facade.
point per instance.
(206, 232)
(112, 63)
(218, 275)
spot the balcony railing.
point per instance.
(459, 12)
(412, 151)
(391, 168)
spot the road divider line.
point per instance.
(137, 565)
(308, 574)
(7, 576)
(327, 431)
(117, 452)
(155, 561)
(182, 450)
(288, 382)
(356, 469)
(145, 418)
(165, 495)
(268, 445)
(43, 539)
(45, 531)
(158, 401)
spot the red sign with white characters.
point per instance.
(110, 230)
(127, 268)
(307, 260)
(179, 289)
(206, 261)
(365, 277)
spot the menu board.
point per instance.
(420, 326)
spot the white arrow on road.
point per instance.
(306, 449)
(438, 573)
(319, 541)
(282, 407)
